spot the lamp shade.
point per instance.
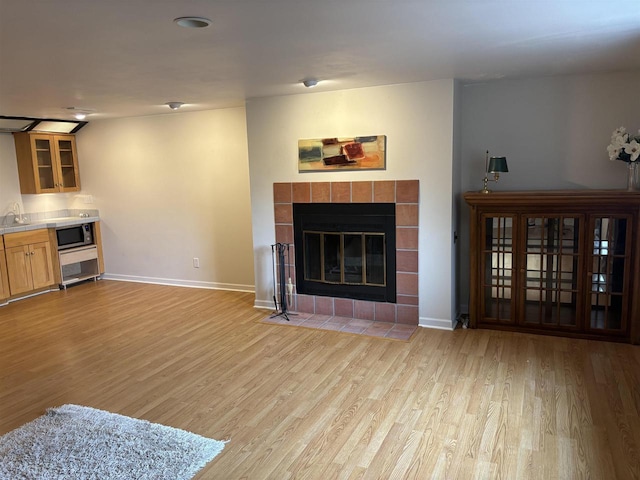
(497, 165)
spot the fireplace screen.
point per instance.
(346, 250)
(352, 258)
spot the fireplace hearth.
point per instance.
(346, 250)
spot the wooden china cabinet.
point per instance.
(556, 262)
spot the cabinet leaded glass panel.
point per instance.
(608, 271)
(550, 287)
(498, 269)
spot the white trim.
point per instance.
(11, 300)
(436, 323)
(180, 283)
(264, 304)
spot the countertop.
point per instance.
(47, 223)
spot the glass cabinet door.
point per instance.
(68, 163)
(43, 152)
(608, 275)
(550, 284)
(497, 269)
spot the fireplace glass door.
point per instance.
(354, 258)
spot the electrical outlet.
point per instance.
(196, 262)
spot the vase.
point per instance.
(633, 183)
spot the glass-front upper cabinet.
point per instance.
(498, 269)
(609, 273)
(43, 150)
(551, 283)
(47, 163)
(68, 180)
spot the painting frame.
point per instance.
(333, 154)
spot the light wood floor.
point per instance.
(300, 403)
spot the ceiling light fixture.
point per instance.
(80, 113)
(310, 82)
(192, 22)
(174, 105)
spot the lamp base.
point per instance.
(485, 182)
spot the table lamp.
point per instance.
(495, 165)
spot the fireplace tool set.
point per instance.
(281, 260)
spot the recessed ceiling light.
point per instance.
(174, 105)
(310, 82)
(192, 22)
(80, 113)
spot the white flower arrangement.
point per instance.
(624, 146)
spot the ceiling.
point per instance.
(121, 58)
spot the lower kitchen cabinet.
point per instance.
(4, 280)
(556, 262)
(28, 258)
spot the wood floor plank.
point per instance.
(300, 403)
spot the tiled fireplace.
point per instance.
(404, 194)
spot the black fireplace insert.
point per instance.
(346, 250)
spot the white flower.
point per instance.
(620, 140)
(624, 146)
(618, 132)
(633, 149)
(614, 151)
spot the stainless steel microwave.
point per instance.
(74, 236)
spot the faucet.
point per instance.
(17, 216)
(16, 212)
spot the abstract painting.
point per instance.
(350, 153)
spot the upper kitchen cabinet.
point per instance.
(47, 163)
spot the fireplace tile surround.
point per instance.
(405, 195)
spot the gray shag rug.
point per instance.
(73, 442)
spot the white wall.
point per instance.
(170, 188)
(418, 121)
(554, 132)
(456, 186)
(9, 185)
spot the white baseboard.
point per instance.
(436, 323)
(265, 304)
(7, 302)
(180, 283)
